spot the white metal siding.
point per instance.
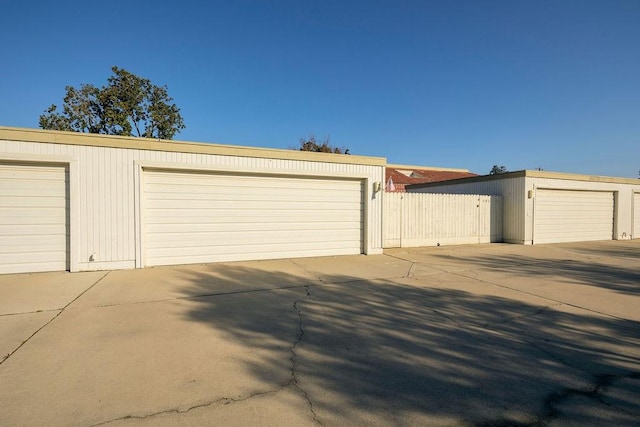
(573, 216)
(192, 217)
(414, 219)
(34, 218)
(106, 206)
(636, 215)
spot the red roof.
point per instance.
(402, 176)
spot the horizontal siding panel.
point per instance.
(573, 216)
(34, 218)
(230, 216)
(187, 255)
(232, 193)
(9, 230)
(189, 227)
(200, 217)
(238, 204)
(221, 238)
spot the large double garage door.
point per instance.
(196, 217)
(34, 217)
(573, 216)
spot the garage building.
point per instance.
(549, 207)
(77, 202)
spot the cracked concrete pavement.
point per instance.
(479, 335)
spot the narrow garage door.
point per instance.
(34, 218)
(636, 215)
(205, 217)
(573, 216)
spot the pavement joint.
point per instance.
(538, 296)
(6, 357)
(30, 312)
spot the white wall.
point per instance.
(623, 200)
(413, 219)
(518, 207)
(104, 201)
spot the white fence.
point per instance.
(420, 219)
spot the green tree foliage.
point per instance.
(128, 105)
(498, 170)
(311, 144)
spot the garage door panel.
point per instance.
(572, 216)
(265, 204)
(251, 182)
(54, 216)
(198, 254)
(8, 230)
(34, 217)
(232, 195)
(230, 216)
(250, 226)
(249, 237)
(26, 201)
(207, 217)
(27, 243)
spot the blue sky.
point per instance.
(468, 84)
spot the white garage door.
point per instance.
(205, 217)
(636, 215)
(34, 218)
(572, 216)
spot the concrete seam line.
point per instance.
(30, 312)
(5, 358)
(539, 296)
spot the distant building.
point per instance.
(398, 176)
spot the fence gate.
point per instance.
(422, 219)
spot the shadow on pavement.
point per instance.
(394, 352)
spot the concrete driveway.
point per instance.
(484, 335)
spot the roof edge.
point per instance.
(138, 143)
(532, 174)
(434, 168)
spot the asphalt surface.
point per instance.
(482, 335)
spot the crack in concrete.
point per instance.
(550, 411)
(602, 381)
(209, 295)
(222, 400)
(410, 268)
(6, 357)
(294, 382)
